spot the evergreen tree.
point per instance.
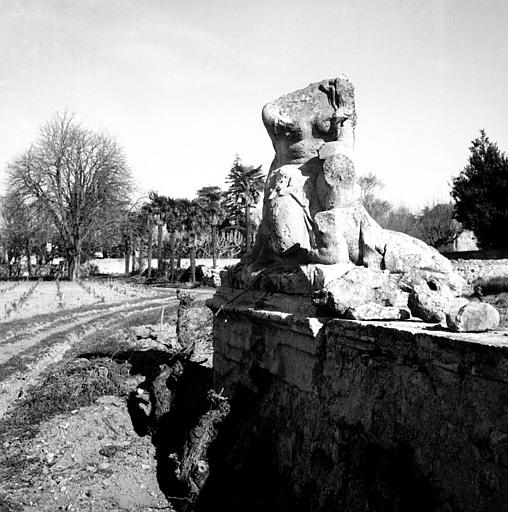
(480, 193)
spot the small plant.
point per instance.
(3, 291)
(491, 286)
(17, 304)
(92, 291)
(59, 294)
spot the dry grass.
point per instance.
(500, 302)
(69, 386)
(491, 286)
(494, 291)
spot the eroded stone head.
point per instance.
(301, 122)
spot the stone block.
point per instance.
(374, 311)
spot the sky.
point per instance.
(181, 84)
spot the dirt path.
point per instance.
(31, 352)
(28, 347)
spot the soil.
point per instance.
(90, 459)
(68, 440)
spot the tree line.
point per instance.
(70, 193)
(216, 223)
(479, 203)
(435, 224)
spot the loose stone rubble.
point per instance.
(317, 241)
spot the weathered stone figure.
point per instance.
(314, 225)
(303, 186)
(311, 212)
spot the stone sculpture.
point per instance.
(316, 237)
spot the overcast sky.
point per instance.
(181, 83)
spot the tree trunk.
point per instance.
(159, 246)
(187, 470)
(194, 467)
(192, 258)
(149, 250)
(172, 255)
(127, 255)
(140, 256)
(28, 259)
(74, 263)
(133, 267)
(77, 272)
(214, 246)
(248, 228)
(185, 331)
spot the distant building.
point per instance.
(466, 241)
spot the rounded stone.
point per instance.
(473, 317)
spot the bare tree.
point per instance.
(78, 177)
(437, 227)
(24, 231)
(369, 185)
(403, 220)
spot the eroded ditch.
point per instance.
(132, 422)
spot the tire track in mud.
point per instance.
(26, 353)
(17, 329)
(66, 323)
(50, 344)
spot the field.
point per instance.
(26, 299)
(68, 441)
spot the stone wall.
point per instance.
(364, 416)
(473, 269)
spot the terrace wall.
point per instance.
(362, 416)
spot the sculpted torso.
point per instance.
(310, 213)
